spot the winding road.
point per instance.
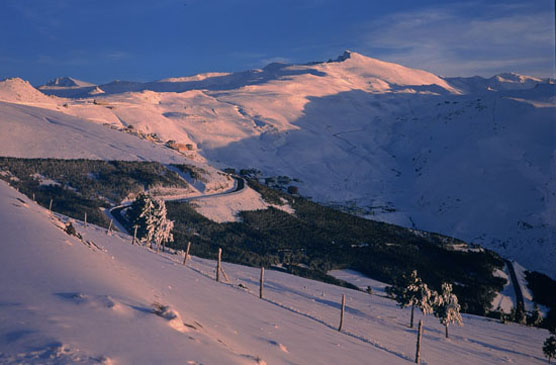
(114, 213)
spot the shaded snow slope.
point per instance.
(481, 169)
(111, 302)
(503, 81)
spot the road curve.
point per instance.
(114, 213)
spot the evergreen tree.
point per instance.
(163, 226)
(549, 348)
(411, 291)
(150, 215)
(447, 308)
(138, 212)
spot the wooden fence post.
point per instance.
(186, 252)
(134, 234)
(342, 313)
(261, 283)
(419, 334)
(218, 264)
(50, 206)
(109, 230)
(85, 219)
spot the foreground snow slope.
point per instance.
(66, 302)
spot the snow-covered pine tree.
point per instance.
(447, 308)
(163, 231)
(149, 220)
(411, 291)
(150, 215)
(138, 214)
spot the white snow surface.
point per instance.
(16, 90)
(358, 279)
(504, 300)
(226, 207)
(33, 132)
(527, 295)
(66, 302)
(473, 158)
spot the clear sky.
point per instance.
(145, 40)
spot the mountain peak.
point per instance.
(361, 70)
(341, 58)
(15, 84)
(67, 81)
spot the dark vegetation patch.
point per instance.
(543, 289)
(195, 172)
(85, 186)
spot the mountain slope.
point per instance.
(54, 286)
(16, 90)
(39, 133)
(467, 157)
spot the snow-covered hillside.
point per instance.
(468, 157)
(102, 300)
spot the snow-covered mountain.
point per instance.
(66, 81)
(100, 299)
(69, 87)
(468, 157)
(16, 90)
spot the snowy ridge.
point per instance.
(140, 307)
(500, 82)
(16, 90)
(198, 77)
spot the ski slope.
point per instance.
(64, 302)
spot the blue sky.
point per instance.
(143, 40)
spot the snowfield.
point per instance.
(102, 300)
(472, 158)
(226, 207)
